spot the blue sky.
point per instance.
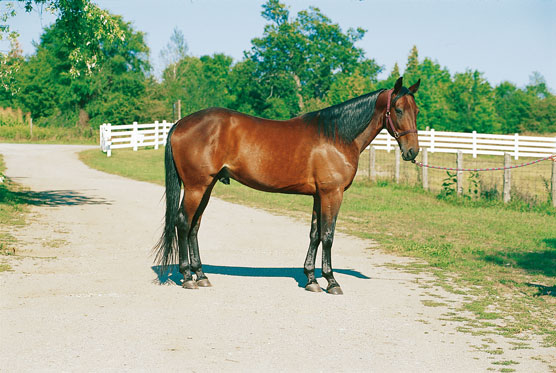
(504, 39)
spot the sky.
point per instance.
(506, 40)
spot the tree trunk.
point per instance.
(298, 92)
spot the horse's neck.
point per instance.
(369, 134)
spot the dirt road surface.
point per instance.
(83, 295)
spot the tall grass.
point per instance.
(16, 126)
(530, 184)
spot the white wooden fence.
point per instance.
(155, 134)
(476, 143)
(133, 135)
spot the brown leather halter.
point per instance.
(388, 120)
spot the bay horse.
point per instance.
(313, 154)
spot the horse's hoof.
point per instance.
(314, 287)
(336, 290)
(190, 284)
(204, 283)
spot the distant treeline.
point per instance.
(299, 64)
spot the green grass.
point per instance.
(502, 259)
(530, 183)
(13, 209)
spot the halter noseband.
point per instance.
(388, 120)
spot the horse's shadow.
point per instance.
(173, 274)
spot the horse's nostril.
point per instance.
(411, 153)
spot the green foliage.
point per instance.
(88, 28)
(300, 59)
(300, 63)
(449, 186)
(114, 93)
(198, 82)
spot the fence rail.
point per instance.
(133, 135)
(154, 134)
(476, 143)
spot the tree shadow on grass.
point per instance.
(49, 198)
(539, 262)
(535, 263)
(173, 274)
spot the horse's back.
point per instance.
(265, 154)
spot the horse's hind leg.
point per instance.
(196, 265)
(196, 201)
(309, 267)
(183, 232)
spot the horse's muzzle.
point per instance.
(410, 154)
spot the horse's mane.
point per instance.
(346, 120)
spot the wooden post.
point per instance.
(459, 174)
(474, 139)
(179, 109)
(554, 182)
(507, 177)
(156, 135)
(372, 163)
(108, 140)
(398, 156)
(425, 169)
(164, 132)
(134, 136)
(516, 145)
(31, 127)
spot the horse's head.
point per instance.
(401, 118)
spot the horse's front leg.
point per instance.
(330, 205)
(314, 236)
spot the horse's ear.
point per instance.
(397, 86)
(415, 86)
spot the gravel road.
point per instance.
(83, 295)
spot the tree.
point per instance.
(198, 82)
(175, 51)
(299, 59)
(110, 93)
(88, 26)
(471, 98)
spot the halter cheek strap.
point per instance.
(388, 121)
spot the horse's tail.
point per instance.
(166, 250)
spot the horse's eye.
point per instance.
(399, 111)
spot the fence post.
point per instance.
(101, 137)
(372, 161)
(432, 140)
(164, 132)
(554, 182)
(425, 169)
(397, 174)
(156, 134)
(516, 146)
(507, 177)
(134, 136)
(459, 174)
(108, 140)
(474, 144)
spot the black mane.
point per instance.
(346, 120)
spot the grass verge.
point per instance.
(12, 214)
(504, 257)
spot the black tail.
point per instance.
(166, 250)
